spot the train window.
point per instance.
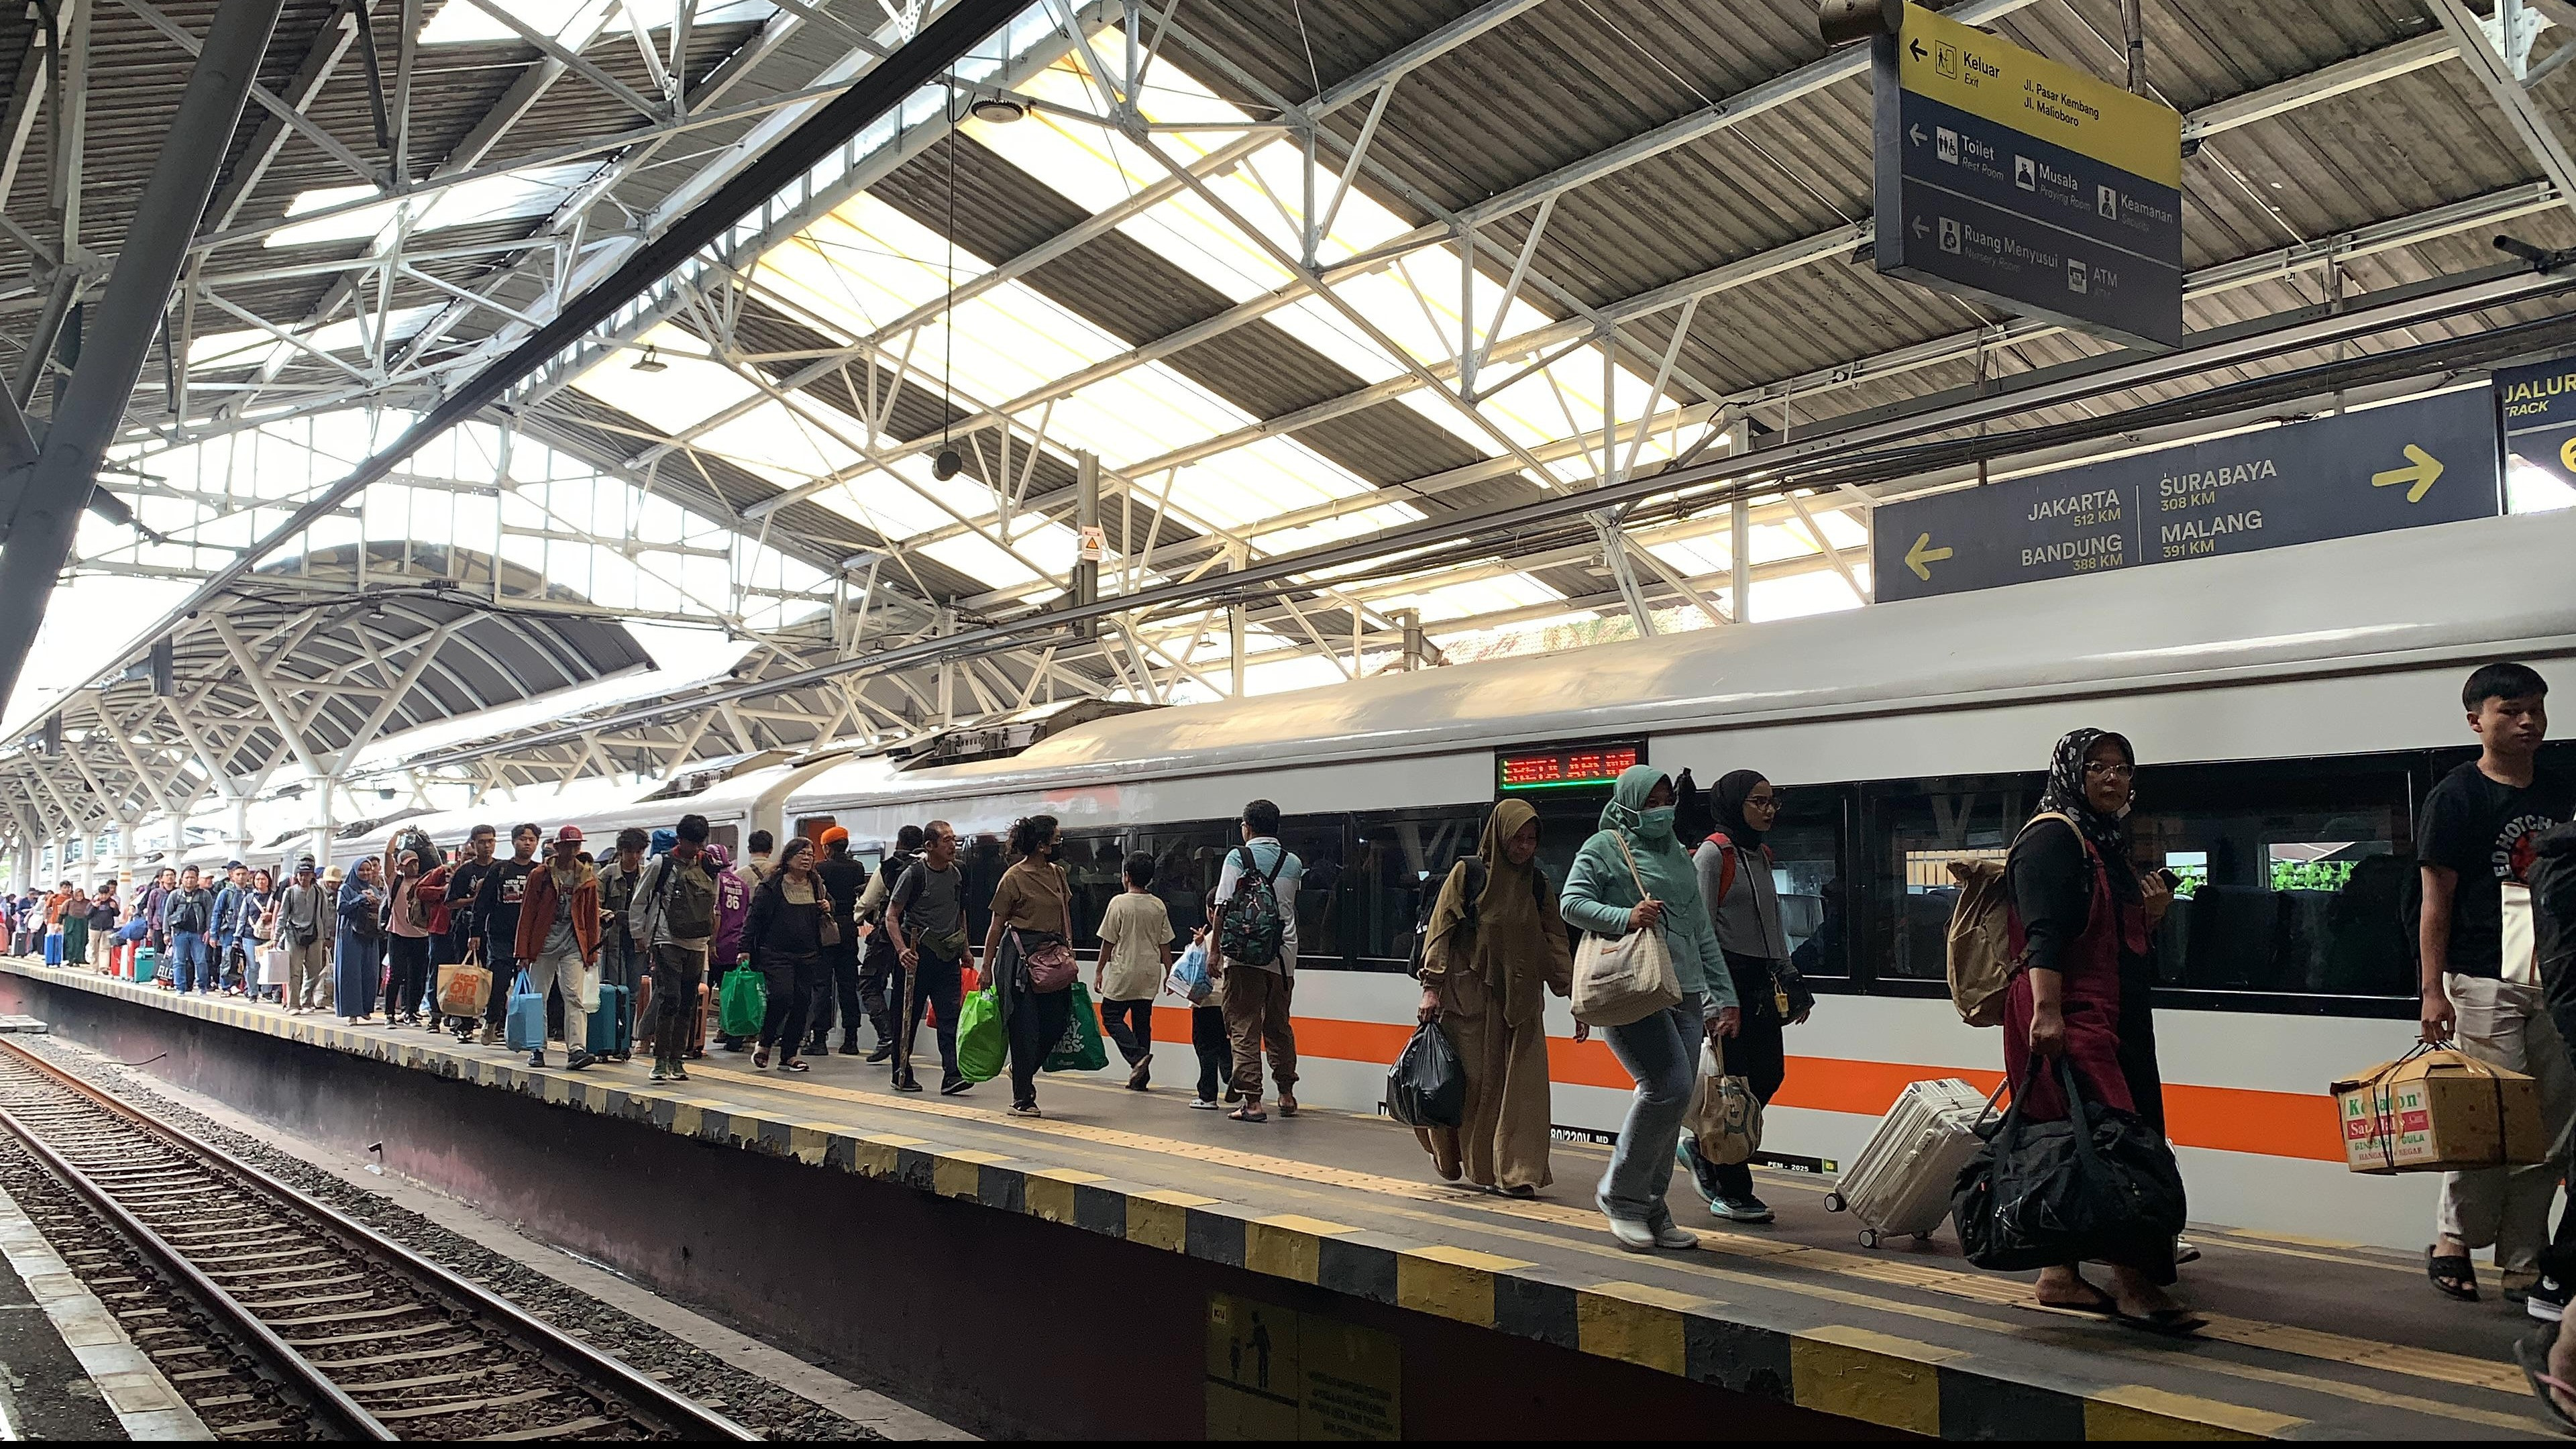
(983, 859)
(812, 826)
(1921, 827)
(2292, 875)
(1396, 860)
(1186, 860)
(1807, 850)
(728, 836)
(1092, 862)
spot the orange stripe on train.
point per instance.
(2228, 1119)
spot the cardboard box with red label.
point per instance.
(2438, 1111)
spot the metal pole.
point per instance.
(1086, 516)
(93, 402)
(2133, 26)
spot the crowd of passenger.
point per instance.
(837, 944)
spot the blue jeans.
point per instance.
(1662, 1054)
(189, 969)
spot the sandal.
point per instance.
(1287, 1105)
(1247, 1114)
(2102, 1306)
(760, 1058)
(794, 1064)
(2532, 1352)
(2453, 1274)
(2163, 1322)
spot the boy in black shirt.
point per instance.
(2480, 977)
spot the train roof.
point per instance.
(2470, 590)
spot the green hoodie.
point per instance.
(1599, 891)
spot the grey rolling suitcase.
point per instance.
(1900, 1181)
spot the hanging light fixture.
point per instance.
(651, 361)
(996, 110)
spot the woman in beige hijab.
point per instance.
(1484, 962)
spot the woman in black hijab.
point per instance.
(2081, 917)
(1735, 879)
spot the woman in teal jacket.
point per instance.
(1661, 1052)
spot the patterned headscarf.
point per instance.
(2065, 792)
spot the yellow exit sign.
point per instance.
(1996, 80)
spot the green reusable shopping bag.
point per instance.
(742, 1003)
(981, 1045)
(1079, 1049)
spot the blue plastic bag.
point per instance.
(1188, 978)
(526, 1027)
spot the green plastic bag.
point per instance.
(981, 1045)
(742, 1003)
(1079, 1049)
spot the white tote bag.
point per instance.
(1626, 980)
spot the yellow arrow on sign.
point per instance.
(1922, 555)
(2422, 468)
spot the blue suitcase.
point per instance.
(525, 1029)
(53, 948)
(612, 1026)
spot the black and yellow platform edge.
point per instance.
(1848, 1371)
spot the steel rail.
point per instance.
(301, 1375)
(654, 1399)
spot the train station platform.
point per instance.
(1331, 1221)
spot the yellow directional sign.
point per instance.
(2420, 470)
(1923, 555)
(1962, 66)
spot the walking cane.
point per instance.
(903, 1048)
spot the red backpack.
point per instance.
(1726, 865)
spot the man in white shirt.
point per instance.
(1258, 968)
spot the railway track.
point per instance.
(279, 1317)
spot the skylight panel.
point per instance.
(1334, 530)
(490, 198)
(688, 390)
(1483, 596)
(1050, 546)
(864, 265)
(1141, 413)
(896, 503)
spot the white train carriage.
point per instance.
(2290, 709)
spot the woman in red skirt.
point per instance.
(2080, 923)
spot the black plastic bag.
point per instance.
(2097, 1186)
(1427, 1086)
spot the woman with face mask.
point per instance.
(1032, 909)
(1633, 875)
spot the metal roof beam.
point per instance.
(329, 47)
(2521, 112)
(93, 402)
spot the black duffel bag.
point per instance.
(1427, 1086)
(2098, 1186)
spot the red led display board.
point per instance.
(1564, 767)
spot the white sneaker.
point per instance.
(1633, 1236)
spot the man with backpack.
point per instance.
(673, 915)
(186, 915)
(880, 968)
(1254, 924)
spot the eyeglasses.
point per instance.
(2120, 768)
(1761, 802)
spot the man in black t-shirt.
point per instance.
(2480, 978)
(496, 915)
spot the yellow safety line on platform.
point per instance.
(2155, 1411)
(2002, 1292)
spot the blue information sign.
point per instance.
(2007, 177)
(2432, 461)
(2537, 406)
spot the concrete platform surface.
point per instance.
(2308, 1339)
